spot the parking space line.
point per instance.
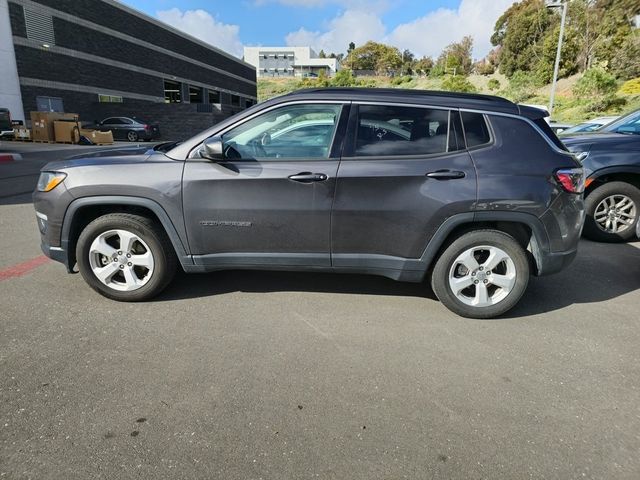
(23, 268)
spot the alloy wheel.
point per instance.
(121, 260)
(482, 276)
(615, 214)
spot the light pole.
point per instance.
(563, 5)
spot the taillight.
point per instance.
(147, 127)
(571, 179)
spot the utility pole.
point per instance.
(564, 5)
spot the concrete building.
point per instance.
(288, 61)
(100, 58)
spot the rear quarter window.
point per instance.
(476, 130)
(549, 133)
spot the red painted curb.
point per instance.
(9, 157)
(23, 268)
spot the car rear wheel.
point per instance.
(132, 136)
(612, 212)
(481, 274)
(125, 257)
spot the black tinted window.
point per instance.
(475, 129)
(390, 130)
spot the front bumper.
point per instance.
(58, 254)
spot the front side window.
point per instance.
(390, 130)
(294, 131)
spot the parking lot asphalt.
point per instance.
(277, 375)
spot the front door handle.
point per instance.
(308, 177)
(446, 174)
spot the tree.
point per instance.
(520, 33)
(626, 62)
(374, 56)
(352, 47)
(456, 57)
(423, 66)
(322, 54)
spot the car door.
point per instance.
(269, 201)
(405, 169)
(115, 125)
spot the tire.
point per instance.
(475, 249)
(132, 253)
(598, 204)
(132, 136)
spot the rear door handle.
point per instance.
(446, 174)
(308, 177)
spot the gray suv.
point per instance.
(472, 193)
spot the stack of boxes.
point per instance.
(61, 128)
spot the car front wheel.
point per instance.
(125, 257)
(132, 136)
(481, 274)
(612, 212)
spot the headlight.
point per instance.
(50, 180)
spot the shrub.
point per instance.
(631, 87)
(493, 84)
(344, 78)
(458, 84)
(596, 82)
(609, 102)
(521, 87)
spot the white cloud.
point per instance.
(356, 26)
(427, 35)
(205, 27)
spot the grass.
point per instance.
(567, 108)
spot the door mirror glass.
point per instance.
(212, 149)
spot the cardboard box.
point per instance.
(42, 128)
(96, 136)
(66, 132)
(22, 133)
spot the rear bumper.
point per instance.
(554, 262)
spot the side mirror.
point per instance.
(213, 149)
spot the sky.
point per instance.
(423, 26)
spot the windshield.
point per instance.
(629, 125)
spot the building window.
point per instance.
(195, 94)
(235, 100)
(214, 96)
(248, 103)
(109, 98)
(39, 27)
(172, 91)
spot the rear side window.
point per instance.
(476, 130)
(384, 130)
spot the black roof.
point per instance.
(471, 101)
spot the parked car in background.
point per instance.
(129, 128)
(6, 129)
(611, 159)
(589, 126)
(559, 127)
(407, 184)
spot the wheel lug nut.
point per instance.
(481, 268)
(473, 274)
(119, 253)
(486, 281)
(488, 272)
(475, 282)
(128, 255)
(121, 266)
(129, 264)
